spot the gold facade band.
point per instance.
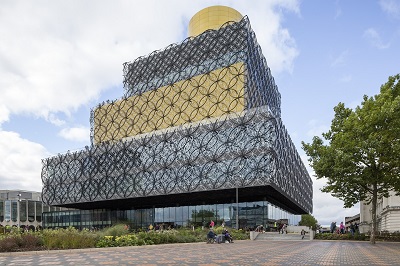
(209, 95)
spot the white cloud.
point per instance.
(338, 10)
(58, 57)
(4, 114)
(52, 118)
(20, 165)
(346, 78)
(278, 46)
(375, 39)
(79, 134)
(316, 129)
(392, 7)
(340, 60)
(327, 208)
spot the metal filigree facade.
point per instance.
(197, 116)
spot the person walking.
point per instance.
(284, 229)
(341, 227)
(333, 227)
(352, 228)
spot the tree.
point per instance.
(309, 220)
(361, 156)
(204, 216)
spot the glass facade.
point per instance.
(14, 210)
(1, 210)
(250, 215)
(7, 207)
(22, 211)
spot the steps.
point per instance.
(282, 237)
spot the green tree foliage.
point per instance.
(203, 215)
(309, 220)
(360, 156)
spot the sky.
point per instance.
(60, 58)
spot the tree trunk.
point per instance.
(374, 222)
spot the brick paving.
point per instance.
(245, 252)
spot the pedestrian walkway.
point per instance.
(245, 252)
(275, 236)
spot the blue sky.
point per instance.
(58, 59)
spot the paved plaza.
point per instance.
(245, 252)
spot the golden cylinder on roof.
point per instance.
(212, 17)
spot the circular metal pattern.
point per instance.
(219, 156)
(243, 148)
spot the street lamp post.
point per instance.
(237, 207)
(18, 210)
(238, 183)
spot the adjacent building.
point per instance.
(387, 211)
(23, 209)
(355, 220)
(197, 136)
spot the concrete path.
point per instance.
(272, 236)
(245, 252)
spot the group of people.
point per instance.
(282, 229)
(160, 227)
(212, 237)
(337, 229)
(260, 229)
(353, 228)
(341, 229)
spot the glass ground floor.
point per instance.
(244, 215)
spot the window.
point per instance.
(14, 211)
(1, 210)
(38, 211)
(22, 210)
